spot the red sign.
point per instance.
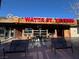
(28, 19)
(57, 20)
(65, 20)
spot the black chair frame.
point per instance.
(16, 46)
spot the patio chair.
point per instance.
(60, 43)
(17, 46)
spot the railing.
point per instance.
(46, 41)
(40, 33)
(7, 40)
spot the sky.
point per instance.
(37, 8)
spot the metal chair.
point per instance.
(17, 46)
(60, 43)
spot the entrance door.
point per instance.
(60, 33)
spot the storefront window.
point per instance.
(1, 32)
(28, 30)
(7, 34)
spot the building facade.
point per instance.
(30, 27)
